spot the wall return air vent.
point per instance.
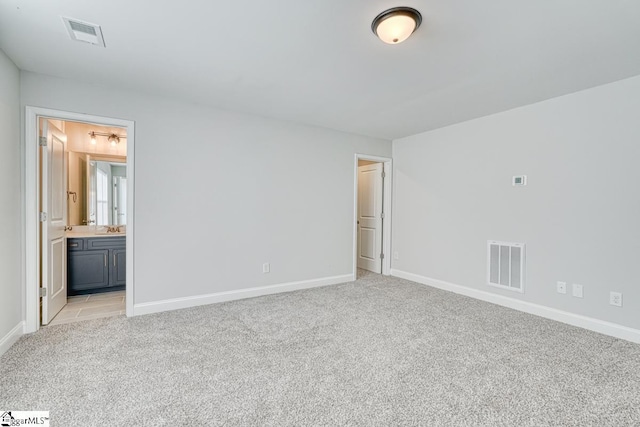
(84, 31)
(505, 265)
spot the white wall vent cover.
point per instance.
(84, 31)
(505, 265)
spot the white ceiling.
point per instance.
(317, 62)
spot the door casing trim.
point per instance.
(386, 208)
(31, 208)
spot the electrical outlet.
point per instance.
(396, 255)
(561, 287)
(615, 298)
(266, 267)
(577, 290)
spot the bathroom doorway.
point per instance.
(79, 247)
(83, 249)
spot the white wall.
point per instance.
(219, 193)
(10, 199)
(579, 215)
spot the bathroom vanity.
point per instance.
(96, 229)
(96, 264)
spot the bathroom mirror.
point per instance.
(97, 190)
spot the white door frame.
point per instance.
(31, 224)
(386, 208)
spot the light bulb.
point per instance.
(93, 138)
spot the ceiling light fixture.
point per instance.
(112, 138)
(395, 25)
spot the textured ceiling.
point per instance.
(317, 62)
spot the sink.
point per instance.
(106, 231)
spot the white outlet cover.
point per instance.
(615, 298)
(396, 255)
(266, 267)
(561, 287)
(577, 291)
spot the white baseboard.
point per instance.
(186, 302)
(596, 325)
(12, 336)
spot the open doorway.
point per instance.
(372, 240)
(79, 186)
(83, 234)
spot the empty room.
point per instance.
(314, 213)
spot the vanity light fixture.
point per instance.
(395, 25)
(112, 138)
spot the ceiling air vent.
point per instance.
(84, 31)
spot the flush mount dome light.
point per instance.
(395, 25)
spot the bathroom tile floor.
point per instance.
(93, 306)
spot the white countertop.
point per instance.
(81, 235)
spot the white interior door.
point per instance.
(54, 204)
(370, 217)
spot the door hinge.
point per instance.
(381, 256)
(382, 215)
(43, 216)
(42, 141)
(384, 175)
(42, 292)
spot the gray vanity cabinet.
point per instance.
(96, 264)
(118, 274)
(86, 270)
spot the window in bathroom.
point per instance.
(102, 197)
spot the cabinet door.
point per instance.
(118, 267)
(87, 270)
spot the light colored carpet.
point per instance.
(378, 351)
